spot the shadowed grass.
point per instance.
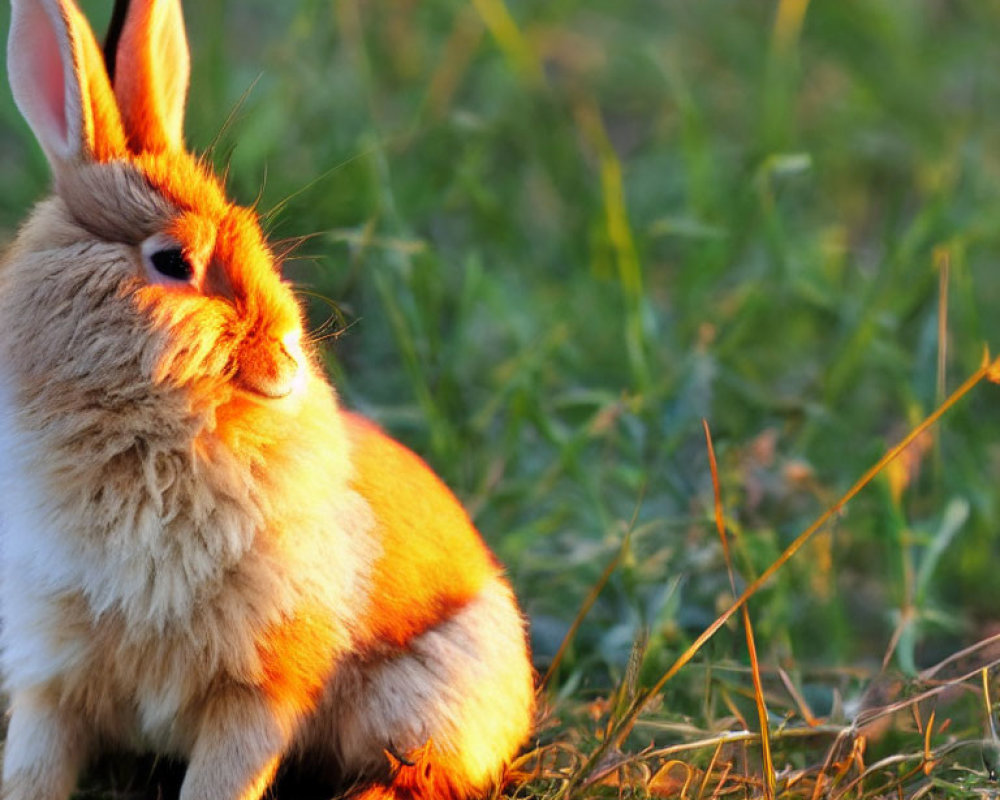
(610, 757)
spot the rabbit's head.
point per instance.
(137, 279)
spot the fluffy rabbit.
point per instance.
(203, 555)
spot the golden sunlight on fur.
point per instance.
(201, 554)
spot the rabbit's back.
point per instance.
(431, 560)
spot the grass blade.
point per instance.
(942, 259)
(589, 601)
(509, 38)
(758, 687)
(619, 232)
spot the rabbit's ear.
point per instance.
(151, 70)
(60, 84)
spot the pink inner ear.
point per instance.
(41, 46)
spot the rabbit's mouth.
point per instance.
(269, 367)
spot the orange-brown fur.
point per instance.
(424, 774)
(432, 560)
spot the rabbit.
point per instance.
(202, 554)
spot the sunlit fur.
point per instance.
(202, 554)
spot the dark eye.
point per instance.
(167, 262)
(171, 264)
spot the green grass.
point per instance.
(563, 233)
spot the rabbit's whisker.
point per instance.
(231, 118)
(333, 326)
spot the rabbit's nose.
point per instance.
(271, 367)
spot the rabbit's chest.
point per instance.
(142, 688)
(139, 689)
(132, 529)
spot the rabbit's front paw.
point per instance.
(43, 752)
(240, 743)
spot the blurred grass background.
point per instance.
(560, 234)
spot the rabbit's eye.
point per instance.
(166, 261)
(171, 264)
